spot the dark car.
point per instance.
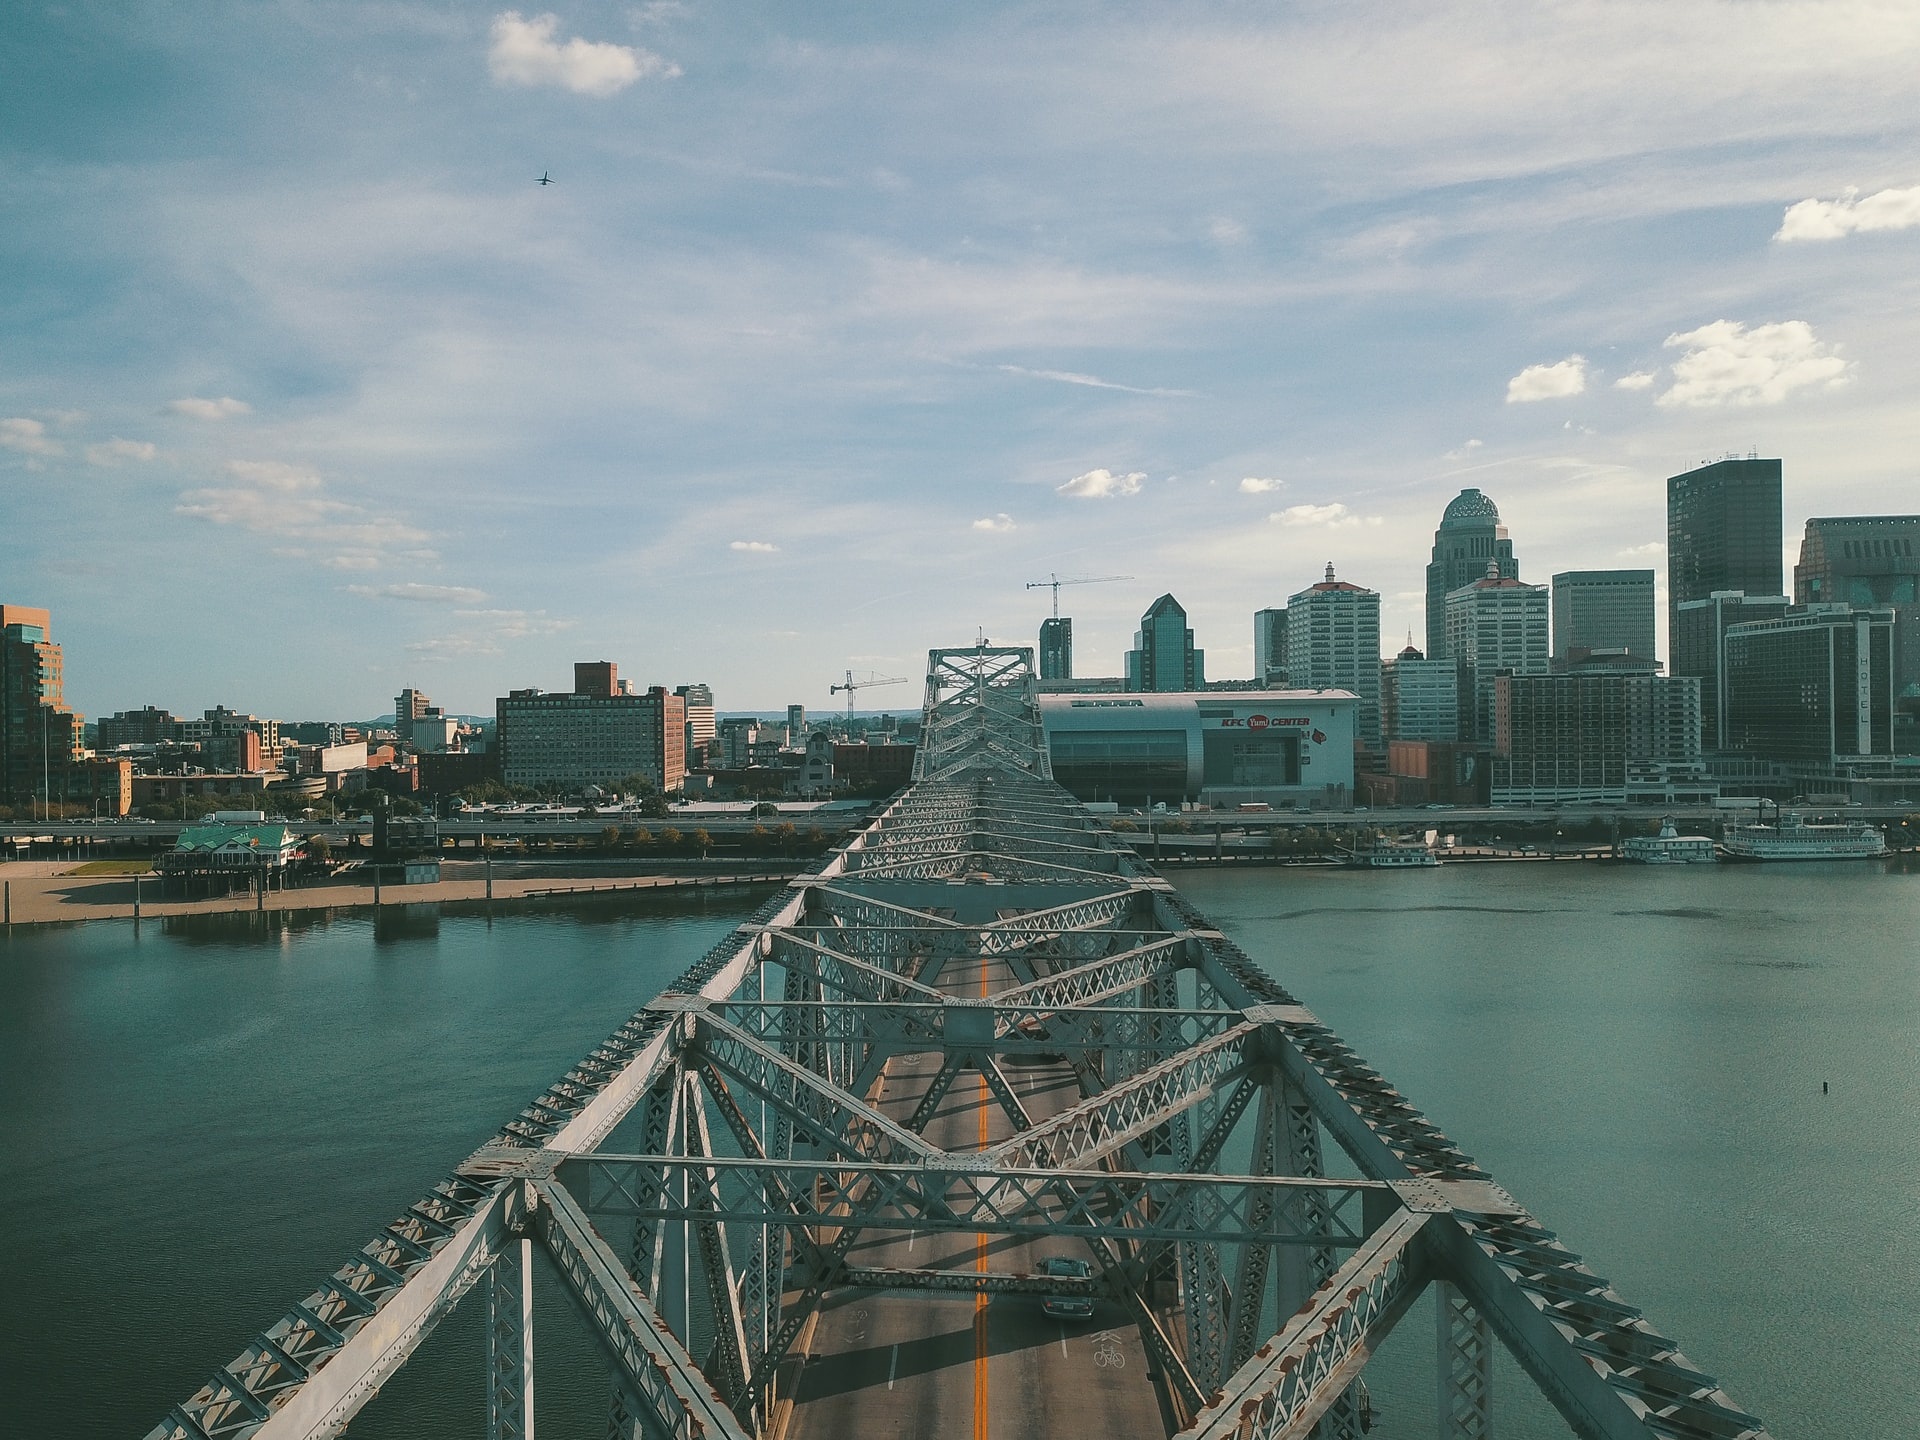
(1067, 1307)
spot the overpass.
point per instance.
(813, 1187)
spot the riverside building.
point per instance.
(596, 735)
(1813, 693)
(1700, 650)
(1333, 643)
(1597, 738)
(1224, 747)
(1874, 561)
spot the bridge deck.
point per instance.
(922, 1366)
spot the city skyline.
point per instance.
(784, 375)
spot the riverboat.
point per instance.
(1395, 855)
(1796, 838)
(1669, 847)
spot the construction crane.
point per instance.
(1054, 582)
(850, 685)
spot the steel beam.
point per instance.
(649, 1361)
(510, 1344)
(1303, 1371)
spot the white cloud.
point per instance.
(999, 523)
(269, 497)
(1638, 380)
(1334, 517)
(1832, 219)
(113, 451)
(1548, 382)
(1650, 550)
(757, 547)
(524, 52)
(28, 437)
(1074, 377)
(1464, 451)
(1102, 485)
(1727, 364)
(1258, 485)
(195, 407)
(1227, 231)
(425, 594)
(487, 632)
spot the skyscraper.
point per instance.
(1723, 533)
(1603, 610)
(1163, 657)
(1868, 560)
(1333, 643)
(40, 739)
(1700, 649)
(1270, 646)
(1419, 698)
(1056, 648)
(1470, 536)
(700, 723)
(1494, 624)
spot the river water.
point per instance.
(208, 1116)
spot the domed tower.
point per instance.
(1469, 538)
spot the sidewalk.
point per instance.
(47, 890)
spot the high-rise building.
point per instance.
(1270, 646)
(595, 737)
(1495, 624)
(38, 735)
(1871, 560)
(1723, 533)
(700, 719)
(42, 743)
(1700, 649)
(1813, 690)
(1603, 610)
(1419, 698)
(149, 725)
(1056, 648)
(1163, 657)
(1470, 537)
(1562, 739)
(796, 725)
(1333, 643)
(410, 707)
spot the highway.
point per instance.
(923, 1365)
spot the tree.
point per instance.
(640, 837)
(654, 806)
(670, 838)
(759, 839)
(610, 837)
(701, 841)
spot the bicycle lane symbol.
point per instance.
(1107, 1354)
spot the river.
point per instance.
(208, 1116)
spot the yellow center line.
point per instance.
(980, 1264)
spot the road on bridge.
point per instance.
(922, 1365)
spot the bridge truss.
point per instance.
(728, 1138)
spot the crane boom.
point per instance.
(1054, 582)
(850, 684)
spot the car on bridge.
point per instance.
(1067, 1307)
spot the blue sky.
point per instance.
(842, 323)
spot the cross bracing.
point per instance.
(983, 1029)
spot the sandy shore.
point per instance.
(43, 891)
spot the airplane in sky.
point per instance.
(545, 179)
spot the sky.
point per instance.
(841, 324)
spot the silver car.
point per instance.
(1067, 1307)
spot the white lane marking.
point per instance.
(912, 1235)
(893, 1365)
(1063, 1339)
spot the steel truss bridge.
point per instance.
(988, 1026)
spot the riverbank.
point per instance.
(40, 892)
